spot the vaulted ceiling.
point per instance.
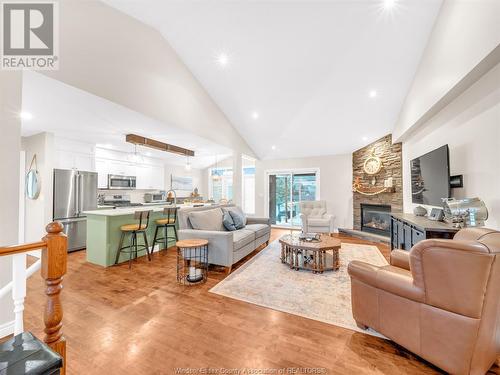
(75, 114)
(298, 78)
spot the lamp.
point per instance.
(136, 156)
(188, 165)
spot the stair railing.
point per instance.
(53, 264)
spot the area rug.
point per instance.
(326, 297)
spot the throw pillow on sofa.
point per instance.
(228, 222)
(207, 220)
(237, 210)
(239, 220)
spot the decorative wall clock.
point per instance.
(373, 164)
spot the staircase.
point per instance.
(52, 264)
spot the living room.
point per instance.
(251, 187)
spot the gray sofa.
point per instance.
(225, 248)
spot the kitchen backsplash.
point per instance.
(136, 196)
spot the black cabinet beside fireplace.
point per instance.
(407, 230)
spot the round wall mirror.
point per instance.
(32, 184)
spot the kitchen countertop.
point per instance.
(122, 211)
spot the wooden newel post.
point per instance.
(54, 262)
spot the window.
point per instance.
(248, 185)
(221, 184)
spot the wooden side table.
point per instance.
(192, 261)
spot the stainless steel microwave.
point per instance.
(119, 182)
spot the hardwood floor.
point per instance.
(140, 321)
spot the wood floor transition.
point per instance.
(140, 321)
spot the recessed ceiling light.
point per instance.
(26, 115)
(388, 4)
(222, 59)
(255, 115)
(273, 147)
(365, 139)
(372, 94)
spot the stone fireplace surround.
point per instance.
(391, 156)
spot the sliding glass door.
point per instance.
(286, 190)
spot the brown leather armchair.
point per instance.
(441, 300)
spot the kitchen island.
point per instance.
(103, 232)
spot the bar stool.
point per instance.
(167, 222)
(133, 230)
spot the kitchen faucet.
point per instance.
(175, 196)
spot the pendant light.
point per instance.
(136, 156)
(188, 165)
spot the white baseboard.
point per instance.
(6, 329)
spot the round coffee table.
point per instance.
(317, 256)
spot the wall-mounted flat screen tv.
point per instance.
(430, 177)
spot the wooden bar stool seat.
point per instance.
(133, 230)
(165, 221)
(164, 224)
(132, 227)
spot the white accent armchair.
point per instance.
(314, 217)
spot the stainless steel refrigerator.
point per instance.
(74, 193)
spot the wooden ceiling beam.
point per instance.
(157, 145)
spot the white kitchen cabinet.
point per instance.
(75, 160)
(105, 167)
(144, 173)
(102, 168)
(121, 168)
(150, 177)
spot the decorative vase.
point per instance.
(419, 211)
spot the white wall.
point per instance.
(38, 212)
(465, 33)
(10, 148)
(335, 183)
(131, 64)
(470, 125)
